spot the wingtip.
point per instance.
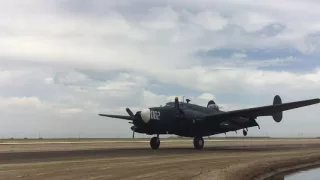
(316, 100)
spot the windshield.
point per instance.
(170, 104)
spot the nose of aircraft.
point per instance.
(145, 115)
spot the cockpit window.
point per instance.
(170, 104)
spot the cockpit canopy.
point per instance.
(213, 106)
(170, 104)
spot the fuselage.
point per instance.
(167, 120)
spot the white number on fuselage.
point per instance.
(155, 115)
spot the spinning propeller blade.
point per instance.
(130, 113)
(132, 117)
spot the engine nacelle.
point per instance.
(138, 129)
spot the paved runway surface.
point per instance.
(136, 160)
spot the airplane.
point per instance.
(191, 120)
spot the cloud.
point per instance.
(207, 96)
(26, 104)
(64, 62)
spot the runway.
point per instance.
(136, 160)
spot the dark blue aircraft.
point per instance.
(192, 120)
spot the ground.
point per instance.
(134, 159)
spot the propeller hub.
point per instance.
(145, 115)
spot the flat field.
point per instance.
(221, 158)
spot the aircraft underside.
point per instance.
(192, 130)
(197, 132)
(198, 141)
(197, 135)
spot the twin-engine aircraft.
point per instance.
(192, 120)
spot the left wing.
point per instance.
(116, 116)
(260, 111)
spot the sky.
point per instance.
(62, 62)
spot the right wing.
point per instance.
(259, 111)
(116, 116)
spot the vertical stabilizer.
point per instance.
(278, 116)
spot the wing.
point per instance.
(116, 116)
(260, 111)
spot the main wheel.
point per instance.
(155, 143)
(245, 132)
(198, 142)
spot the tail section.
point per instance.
(277, 116)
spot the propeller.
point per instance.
(133, 118)
(130, 113)
(133, 131)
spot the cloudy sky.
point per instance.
(62, 62)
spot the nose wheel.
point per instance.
(155, 142)
(198, 142)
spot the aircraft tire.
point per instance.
(155, 143)
(245, 133)
(198, 142)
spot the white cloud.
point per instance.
(238, 55)
(50, 51)
(70, 111)
(209, 20)
(207, 96)
(23, 103)
(162, 18)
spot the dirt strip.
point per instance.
(224, 160)
(265, 168)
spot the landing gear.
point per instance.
(155, 142)
(245, 132)
(198, 142)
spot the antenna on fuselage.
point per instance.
(182, 101)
